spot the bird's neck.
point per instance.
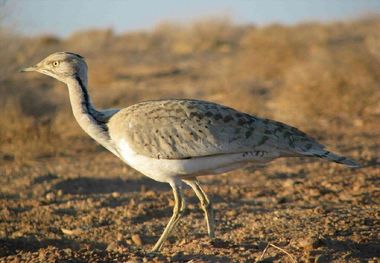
(88, 118)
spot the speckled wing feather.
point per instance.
(179, 129)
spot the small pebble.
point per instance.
(68, 251)
(70, 232)
(231, 213)
(50, 196)
(137, 240)
(112, 246)
(115, 194)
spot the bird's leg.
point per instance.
(178, 204)
(206, 205)
(182, 209)
(182, 204)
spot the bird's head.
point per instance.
(62, 66)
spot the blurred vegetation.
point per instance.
(307, 75)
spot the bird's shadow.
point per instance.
(354, 250)
(180, 257)
(90, 185)
(11, 246)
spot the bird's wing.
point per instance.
(180, 129)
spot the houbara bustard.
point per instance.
(174, 141)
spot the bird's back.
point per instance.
(180, 129)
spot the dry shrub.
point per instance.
(90, 41)
(372, 39)
(317, 71)
(26, 129)
(216, 33)
(24, 137)
(266, 53)
(341, 83)
(9, 47)
(135, 42)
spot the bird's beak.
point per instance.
(33, 68)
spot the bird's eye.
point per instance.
(55, 63)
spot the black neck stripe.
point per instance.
(86, 103)
(86, 97)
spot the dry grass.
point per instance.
(296, 74)
(337, 78)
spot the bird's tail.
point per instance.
(321, 153)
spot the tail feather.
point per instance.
(296, 143)
(336, 158)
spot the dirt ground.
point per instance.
(65, 199)
(90, 207)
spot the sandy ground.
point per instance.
(90, 207)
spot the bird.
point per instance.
(175, 141)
